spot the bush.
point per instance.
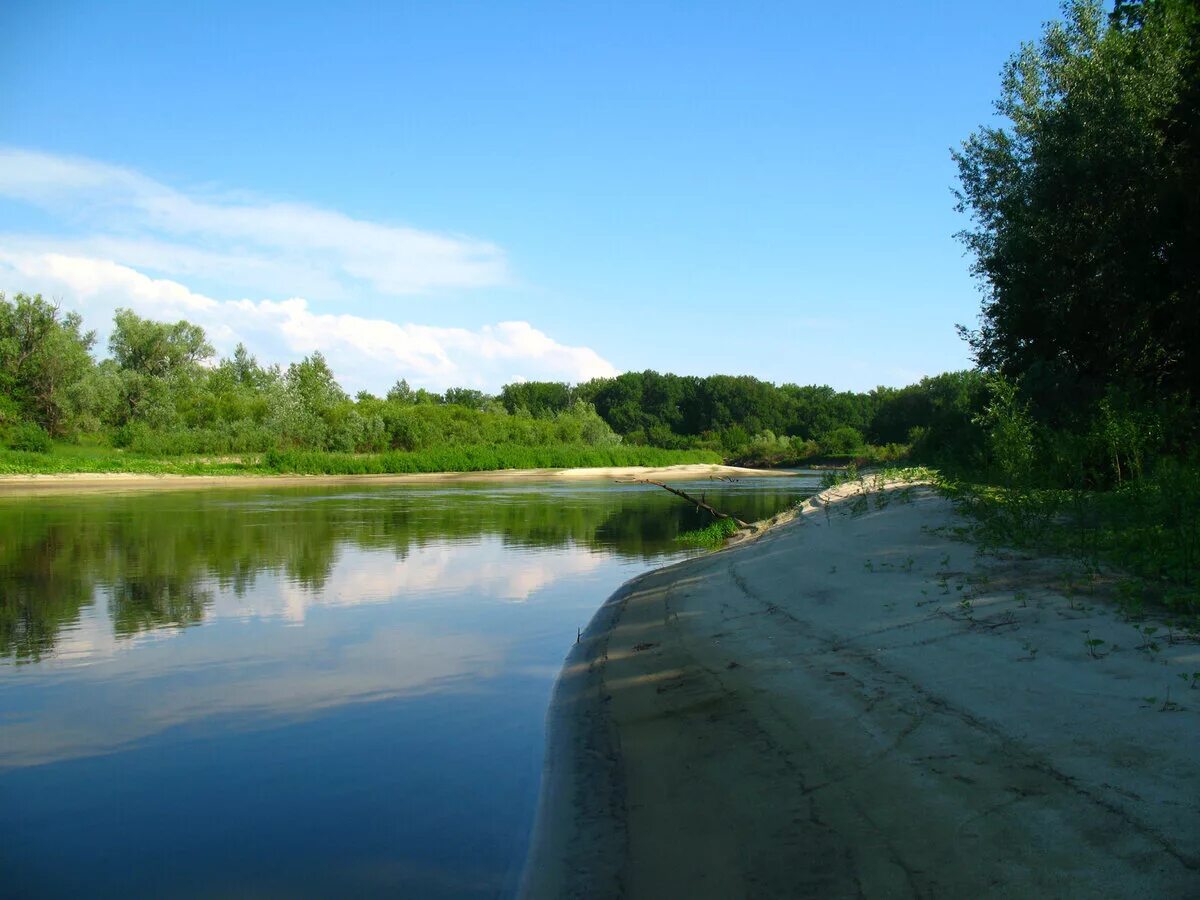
(29, 437)
(842, 440)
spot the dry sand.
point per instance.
(816, 713)
(11, 485)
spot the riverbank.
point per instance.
(11, 485)
(855, 703)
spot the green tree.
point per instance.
(313, 383)
(1084, 206)
(44, 355)
(467, 397)
(156, 349)
(538, 398)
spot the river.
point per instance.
(311, 691)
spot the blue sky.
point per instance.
(472, 193)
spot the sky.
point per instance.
(470, 194)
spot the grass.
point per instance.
(1145, 532)
(711, 536)
(67, 459)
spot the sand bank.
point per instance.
(856, 704)
(84, 481)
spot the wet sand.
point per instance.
(855, 703)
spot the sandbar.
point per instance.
(857, 702)
(11, 485)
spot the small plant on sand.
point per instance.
(1022, 598)
(1093, 645)
(1192, 681)
(1130, 601)
(1150, 646)
(1030, 650)
(1169, 705)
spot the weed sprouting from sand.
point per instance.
(1149, 645)
(1169, 705)
(1093, 645)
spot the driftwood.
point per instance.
(700, 504)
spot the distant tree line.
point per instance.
(160, 390)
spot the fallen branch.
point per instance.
(700, 504)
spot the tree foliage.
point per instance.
(1085, 208)
(43, 358)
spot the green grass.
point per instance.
(1145, 532)
(711, 536)
(67, 459)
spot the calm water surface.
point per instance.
(300, 692)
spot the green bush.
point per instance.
(843, 439)
(28, 437)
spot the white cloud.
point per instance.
(364, 352)
(255, 244)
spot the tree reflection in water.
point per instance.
(154, 558)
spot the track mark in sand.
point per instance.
(936, 704)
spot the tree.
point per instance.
(1085, 249)
(43, 357)
(538, 398)
(156, 349)
(467, 397)
(313, 383)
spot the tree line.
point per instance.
(160, 390)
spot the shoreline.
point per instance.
(17, 485)
(854, 703)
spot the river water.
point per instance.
(301, 692)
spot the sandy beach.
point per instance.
(855, 703)
(11, 485)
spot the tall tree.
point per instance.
(43, 357)
(158, 349)
(1088, 275)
